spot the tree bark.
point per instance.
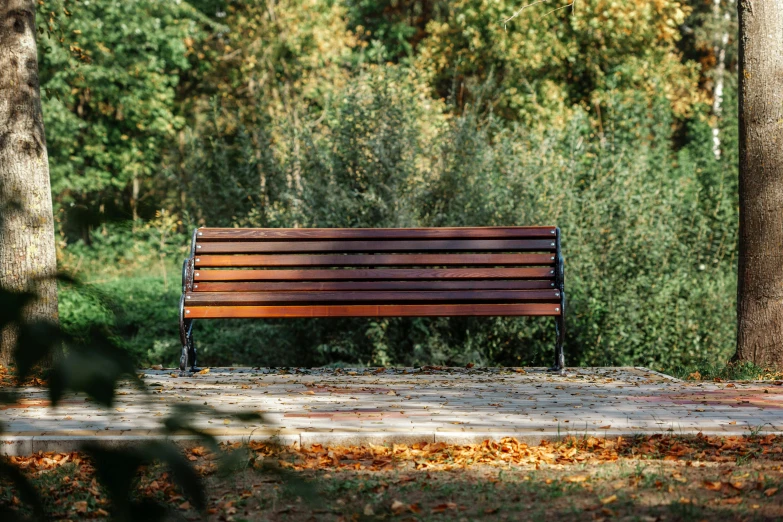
(27, 251)
(760, 277)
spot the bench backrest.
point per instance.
(373, 272)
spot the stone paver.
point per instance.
(309, 406)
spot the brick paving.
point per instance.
(456, 405)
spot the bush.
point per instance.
(649, 235)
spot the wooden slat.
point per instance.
(380, 273)
(339, 260)
(376, 297)
(352, 286)
(436, 245)
(395, 310)
(308, 234)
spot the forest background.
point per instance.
(613, 119)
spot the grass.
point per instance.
(643, 479)
(728, 371)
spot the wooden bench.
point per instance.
(339, 272)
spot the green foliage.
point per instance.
(109, 75)
(289, 115)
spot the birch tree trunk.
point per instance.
(721, 42)
(27, 252)
(760, 284)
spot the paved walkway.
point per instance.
(402, 405)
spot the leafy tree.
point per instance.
(547, 62)
(110, 72)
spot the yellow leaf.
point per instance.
(609, 499)
(204, 371)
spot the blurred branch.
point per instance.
(519, 11)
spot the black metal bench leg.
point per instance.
(559, 365)
(559, 355)
(183, 359)
(192, 350)
(186, 338)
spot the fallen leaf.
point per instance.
(605, 427)
(368, 511)
(576, 478)
(398, 507)
(732, 501)
(490, 511)
(184, 506)
(204, 371)
(771, 491)
(80, 506)
(712, 486)
(470, 365)
(440, 508)
(609, 499)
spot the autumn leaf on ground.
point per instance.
(442, 508)
(398, 507)
(712, 486)
(609, 499)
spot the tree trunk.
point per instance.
(721, 42)
(27, 252)
(760, 284)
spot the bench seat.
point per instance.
(418, 272)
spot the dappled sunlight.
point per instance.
(405, 405)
